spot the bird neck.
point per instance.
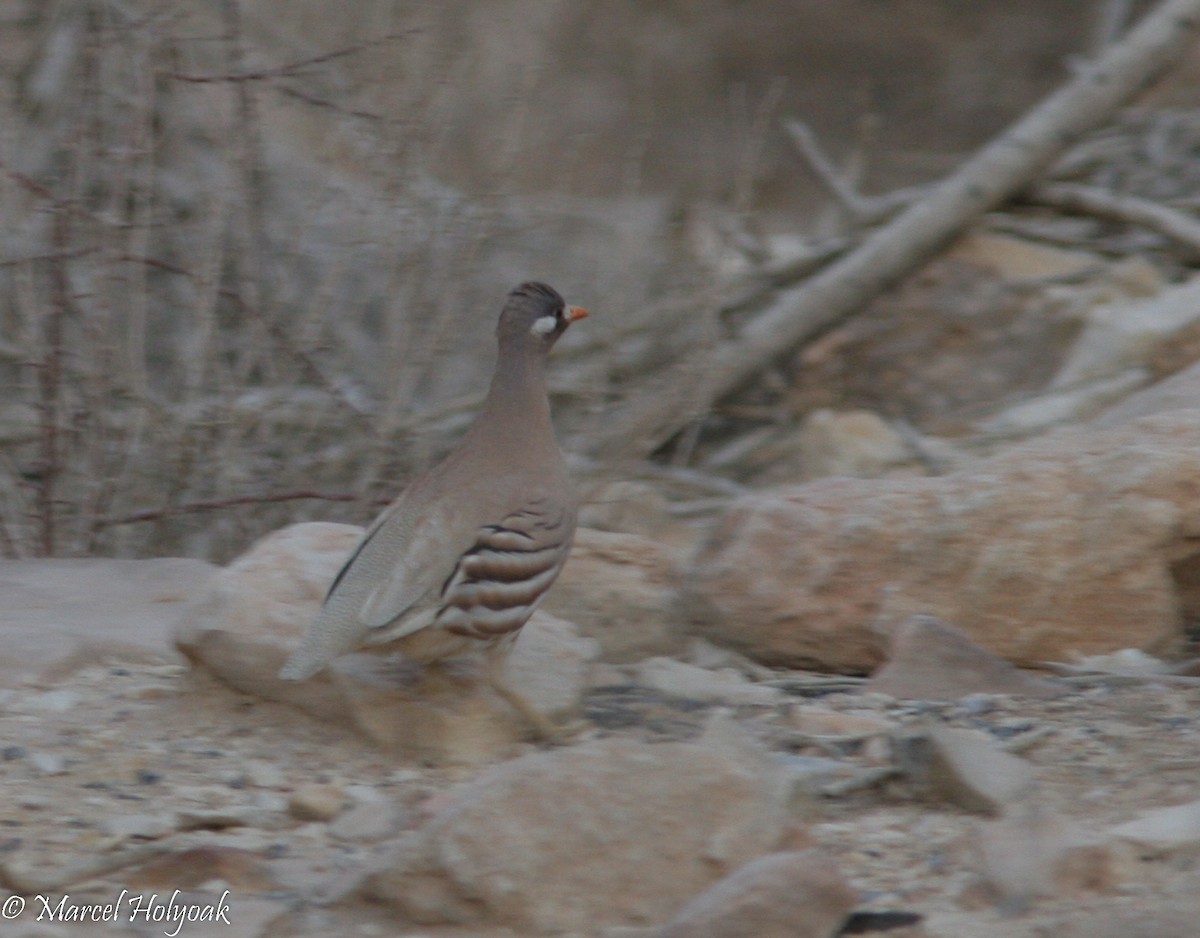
(518, 390)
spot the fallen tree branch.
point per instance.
(996, 173)
(1175, 225)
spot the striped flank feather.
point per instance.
(499, 582)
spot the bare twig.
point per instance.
(865, 210)
(291, 68)
(217, 504)
(1171, 223)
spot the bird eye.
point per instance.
(544, 325)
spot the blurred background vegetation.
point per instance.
(253, 249)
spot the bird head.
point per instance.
(536, 313)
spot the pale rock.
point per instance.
(60, 615)
(52, 701)
(316, 802)
(47, 763)
(1064, 547)
(856, 443)
(254, 613)
(1062, 405)
(262, 774)
(367, 822)
(679, 679)
(809, 775)
(1127, 661)
(704, 654)
(605, 833)
(1018, 260)
(821, 721)
(270, 801)
(1181, 391)
(1121, 335)
(621, 590)
(550, 664)
(1164, 831)
(931, 660)
(139, 825)
(965, 768)
(794, 894)
(1169, 916)
(246, 622)
(1034, 853)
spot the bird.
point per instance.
(462, 558)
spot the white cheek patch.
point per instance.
(544, 325)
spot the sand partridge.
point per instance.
(462, 558)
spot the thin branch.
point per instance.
(314, 101)
(1179, 227)
(865, 210)
(217, 504)
(292, 68)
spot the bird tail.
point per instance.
(332, 634)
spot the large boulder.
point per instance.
(252, 615)
(621, 590)
(59, 614)
(610, 832)
(1083, 543)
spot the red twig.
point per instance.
(191, 508)
(292, 68)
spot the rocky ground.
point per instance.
(1028, 812)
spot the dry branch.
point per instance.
(864, 209)
(292, 68)
(1171, 223)
(997, 172)
(217, 504)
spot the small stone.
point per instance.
(794, 894)
(219, 818)
(48, 763)
(686, 680)
(264, 775)
(855, 443)
(821, 721)
(271, 801)
(932, 660)
(314, 802)
(1164, 831)
(807, 775)
(139, 825)
(366, 822)
(53, 701)
(1033, 852)
(1130, 661)
(965, 768)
